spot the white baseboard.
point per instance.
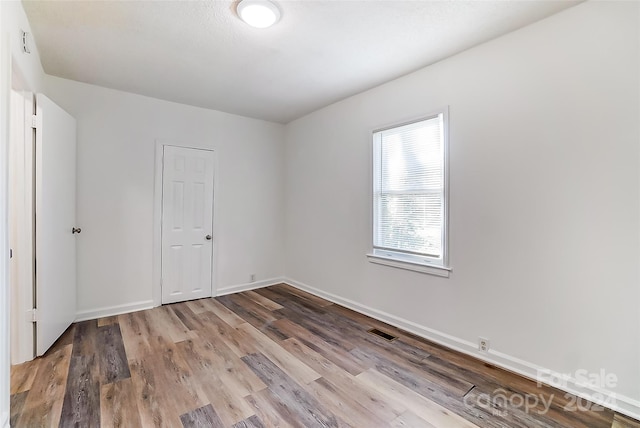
(148, 304)
(250, 286)
(606, 398)
(113, 310)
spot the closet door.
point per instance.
(187, 222)
(55, 214)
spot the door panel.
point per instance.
(55, 218)
(187, 220)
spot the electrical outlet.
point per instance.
(483, 344)
(252, 277)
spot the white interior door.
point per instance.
(55, 219)
(187, 224)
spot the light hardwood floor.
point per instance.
(274, 357)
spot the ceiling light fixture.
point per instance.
(258, 13)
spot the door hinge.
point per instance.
(32, 315)
(34, 121)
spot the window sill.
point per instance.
(417, 267)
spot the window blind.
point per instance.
(409, 188)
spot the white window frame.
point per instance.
(431, 265)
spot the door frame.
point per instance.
(157, 216)
(22, 222)
(21, 218)
(5, 307)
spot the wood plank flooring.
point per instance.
(273, 357)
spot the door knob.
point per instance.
(208, 237)
(76, 230)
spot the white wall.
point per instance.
(116, 154)
(14, 20)
(544, 210)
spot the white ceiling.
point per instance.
(200, 53)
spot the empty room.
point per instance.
(331, 213)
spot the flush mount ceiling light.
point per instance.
(258, 13)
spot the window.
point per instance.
(410, 195)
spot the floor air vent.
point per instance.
(382, 334)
